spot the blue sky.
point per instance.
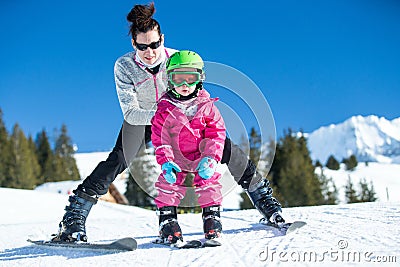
(316, 62)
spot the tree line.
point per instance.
(293, 177)
(26, 163)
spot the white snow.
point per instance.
(341, 235)
(385, 178)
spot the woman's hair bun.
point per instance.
(141, 19)
(141, 14)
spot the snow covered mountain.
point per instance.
(370, 139)
(343, 235)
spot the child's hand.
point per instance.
(206, 167)
(169, 171)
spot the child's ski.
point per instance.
(195, 243)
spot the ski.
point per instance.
(285, 228)
(123, 244)
(179, 244)
(211, 243)
(191, 244)
(195, 243)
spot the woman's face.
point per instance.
(152, 44)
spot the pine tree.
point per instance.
(332, 163)
(329, 190)
(46, 159)
(5, 151)
(350, 162)
(35, 164)
(367, 193)
(144, 171)
(371, 194)
(293, 173)
(350, 192)
(135, 194)
(22, 168)
(64, 157)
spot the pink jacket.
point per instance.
(186, 141)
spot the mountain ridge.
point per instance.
(369, 138)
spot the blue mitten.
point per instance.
(206, 167)
(169, 171)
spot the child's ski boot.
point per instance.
(212, 222)
(170, 231)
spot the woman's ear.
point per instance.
(133, 43)
(162, 39)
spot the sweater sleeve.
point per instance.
(127, 97)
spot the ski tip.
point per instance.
(299, 223)
(127, 243)
(36, 241)
(190, 244)
(211, 243)
(295, 226)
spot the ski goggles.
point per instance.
(189, 78)
(153, 45)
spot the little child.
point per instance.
(188, 134)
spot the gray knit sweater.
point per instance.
(138, 90)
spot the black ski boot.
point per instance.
(72, 227)
(262, 199)
(212, 222)
(170, 231)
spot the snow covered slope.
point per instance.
(342, 235)
(385, 178)
(371, 138)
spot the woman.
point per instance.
(140, 78)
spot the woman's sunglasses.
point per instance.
(153, 45)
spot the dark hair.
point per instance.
(141, 19)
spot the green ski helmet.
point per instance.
(184, 59)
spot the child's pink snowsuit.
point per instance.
(185, 141)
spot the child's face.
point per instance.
(185, 82)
